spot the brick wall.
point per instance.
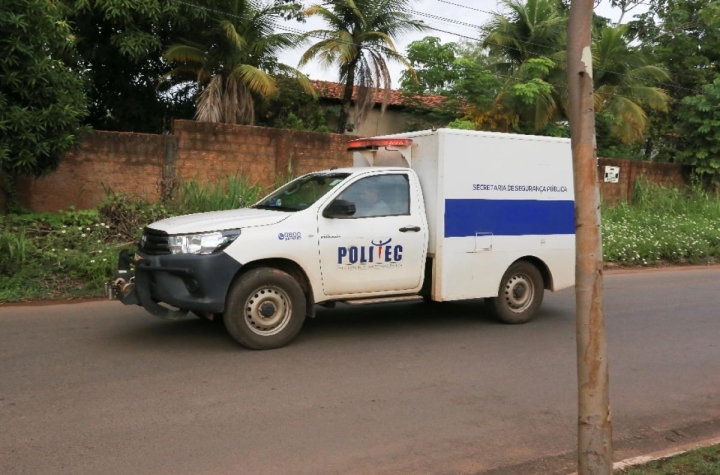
(142, 164)
(125, 162)
(208, 152)
(666, 174)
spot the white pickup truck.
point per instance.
(467, 215)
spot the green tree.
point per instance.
(526, 47)
(359, 41)
(684, 37)
(42, 102)
(119, 46)
(626, 81)
(293, 109)
(526, 30)
(700, 137)
(234, 58)
(626, 85)
(432, 64)
(459, 72)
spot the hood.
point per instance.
(219, 221)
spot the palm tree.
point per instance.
(233, 59)
(526, 45)
(626, 84)
(526, 30)
(625, 81)
(359, 41)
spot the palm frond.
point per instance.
(209, 105)
(232, 35)
(301, 78)
(255, 79)
(330, 17)
(181, 73)
(651, 97)
(183, 53)
(630, 119)
(323, 47)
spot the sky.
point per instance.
(429, 7)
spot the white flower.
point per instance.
(82, 235)
(86, 229)
(92, 261)
(80, 228)
(102, 224)
(52, 250)
(99, 240)
(104, 260)
(66, 248)
(100, 251)
(63, 231)
(64, 226)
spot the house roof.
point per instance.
(334, 90)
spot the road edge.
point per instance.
(662, 454)
(658, 270)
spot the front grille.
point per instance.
(154, 242)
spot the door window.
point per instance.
(377, 196)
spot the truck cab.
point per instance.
(358, 235)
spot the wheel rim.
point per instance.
(268, 311)
(519, 293)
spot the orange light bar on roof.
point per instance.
(377, 143)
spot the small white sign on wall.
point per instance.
(612, 174)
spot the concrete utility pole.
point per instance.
(594, 421)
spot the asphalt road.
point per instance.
(98, 388)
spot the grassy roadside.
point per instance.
(663, 225)
(705, 461)
(71, 254)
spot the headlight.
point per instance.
(202, 243)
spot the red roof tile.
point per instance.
(334, 90)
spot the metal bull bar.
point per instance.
(135, 290)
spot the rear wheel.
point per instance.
(265, 309)
(520, 295)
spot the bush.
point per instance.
(663, 225)
(72, 253)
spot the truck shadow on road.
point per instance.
(391, 323)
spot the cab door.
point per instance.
(382, 245)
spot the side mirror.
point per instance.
(339, 209)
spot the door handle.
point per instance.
(410, 229)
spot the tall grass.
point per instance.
(15, 249)
(232, 193)
(236, 191)
(663, 224)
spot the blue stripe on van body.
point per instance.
(467, 217)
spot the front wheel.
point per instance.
(520, 295)
(265, 309)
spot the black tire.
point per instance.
(265, 290)
(513, 304)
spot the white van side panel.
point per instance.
(491, 199)
(505, 197)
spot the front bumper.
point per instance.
(184, 281)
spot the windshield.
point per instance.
(300, 194)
